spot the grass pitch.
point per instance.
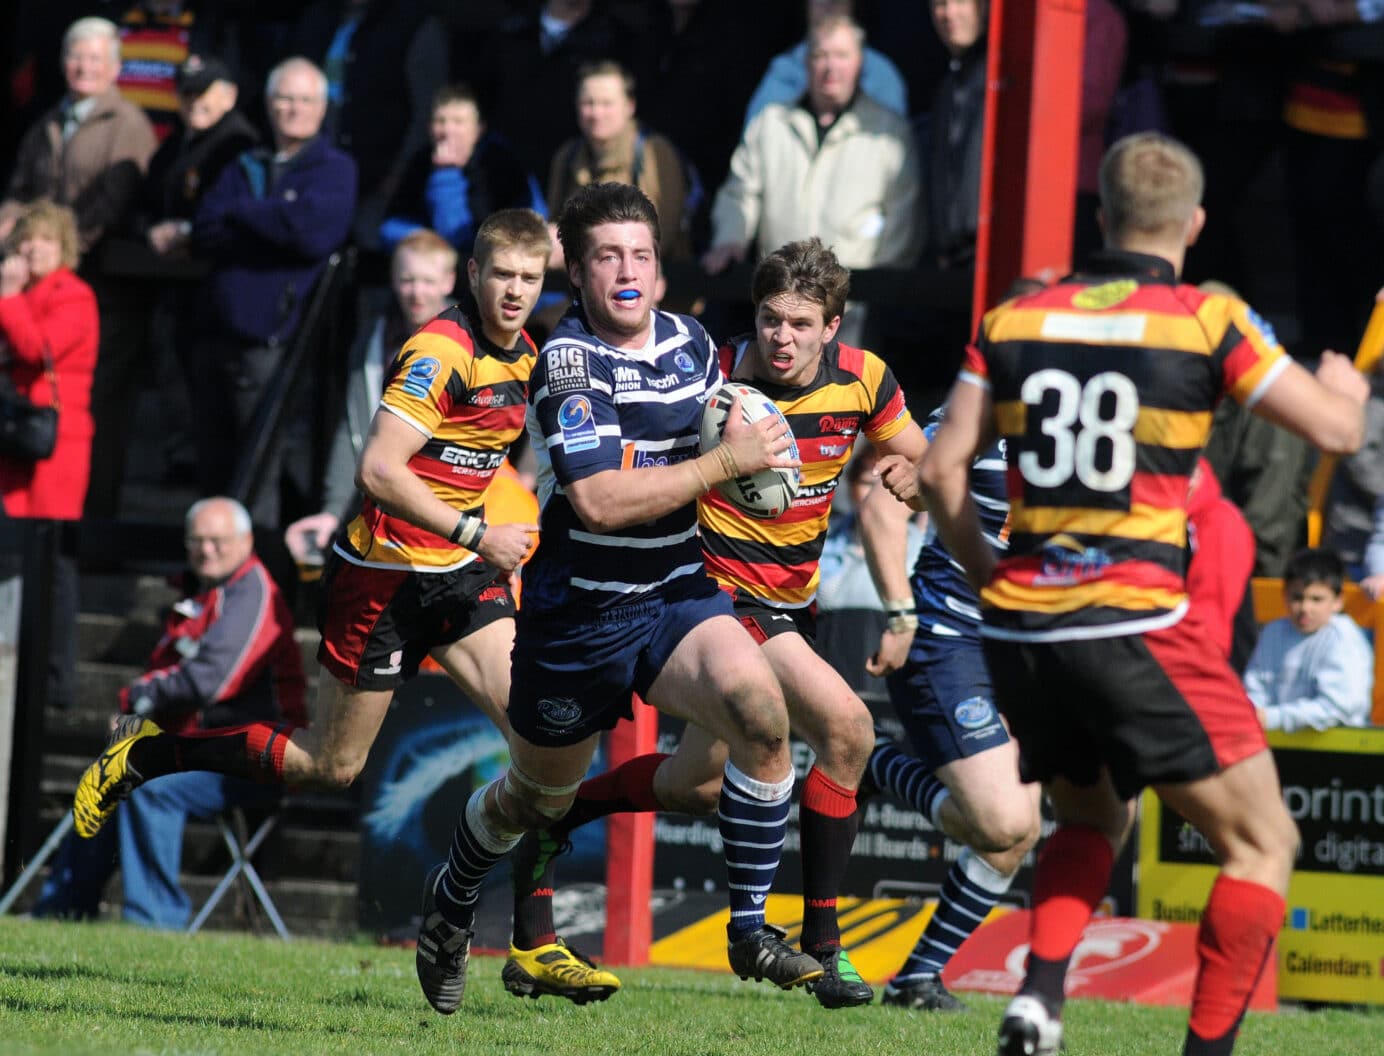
(106, 988)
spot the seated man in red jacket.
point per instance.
(227, 657)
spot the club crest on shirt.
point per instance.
(1106, 295)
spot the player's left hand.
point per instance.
(504, 545)
(891, 654)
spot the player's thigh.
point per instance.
(993, 801)
(822, 709)
(717, 677)
(479, 665)
(689, 780)
(1241, 813)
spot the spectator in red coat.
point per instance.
(45, 310)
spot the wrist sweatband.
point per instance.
(468, 532)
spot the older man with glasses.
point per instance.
(226, 657)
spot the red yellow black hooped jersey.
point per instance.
(776, 560)
(468, 397)
(1103, 387)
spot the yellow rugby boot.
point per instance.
(557, 970)
(111, 778)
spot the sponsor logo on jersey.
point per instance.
(636, 458)
(685, 363)
(1067, 561)
(666, 381)
(488, 397)
(845, 424)
(1106, 295)
(1263, 324)
(470, 459)
(567, 369)
(974, 712)
(627, 379)
(559, 713)
(420, 375)
(577, 425)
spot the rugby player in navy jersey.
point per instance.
(1102, 387)
(830, 394)
(963, 772)
(616, 597)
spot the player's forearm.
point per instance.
(617, 498)
(954, 515)
(884, 534)
(399, 493)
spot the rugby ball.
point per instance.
(769, 492)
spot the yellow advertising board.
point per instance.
(1332, 944)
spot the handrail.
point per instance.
(248, 478)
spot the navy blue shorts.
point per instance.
(571, 679)
(944, 699)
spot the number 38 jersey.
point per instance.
(1103, 387)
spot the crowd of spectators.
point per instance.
(240, 147)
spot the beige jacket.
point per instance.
(858, 191)
(96, 173)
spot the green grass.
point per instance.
(99, 988)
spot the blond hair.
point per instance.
(1150, 184)
(426, 240)
(520, 229)
(47, 216)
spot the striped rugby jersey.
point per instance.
(594, 408)
(947, 606)
(1103, 387)
(775, 561)
(467, 396)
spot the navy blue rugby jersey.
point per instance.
(594, 408)
(947, 605)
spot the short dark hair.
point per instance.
(1316, 565)
(602, 203)
(518, 228)
(808, 269)
(606, 68)
(454, 93)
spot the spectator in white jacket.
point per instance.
(836, 165)
(1314, 668)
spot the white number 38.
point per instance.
(1077, 428)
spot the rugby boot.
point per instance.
(839, 985)
(762, 954)
(924, 993)
(1029, 1029)
(443, 951)
(111, 778)
(558, 970)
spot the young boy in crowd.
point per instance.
(1314, 667)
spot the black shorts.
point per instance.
(765, 622)
(378, 624)
(1162, 707)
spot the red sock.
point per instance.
(1233, 944)
(628, 789)
(1072, 875)
(827, 823)
(255, 750)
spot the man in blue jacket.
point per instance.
(270, 223)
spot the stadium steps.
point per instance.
(311, 862)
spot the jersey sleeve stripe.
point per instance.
(403, 416)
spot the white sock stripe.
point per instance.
(771, 823)
(764, 791)
(984, 875)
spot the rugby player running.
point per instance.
(1102, 387)
(616, 597)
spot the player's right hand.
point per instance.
(900, 478)
(757, 445)
(504, 545)
(1337, 373)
